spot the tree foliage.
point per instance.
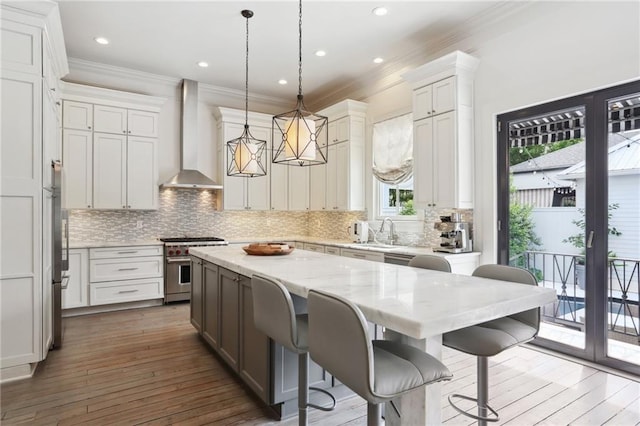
(522, 236)
(519, 155)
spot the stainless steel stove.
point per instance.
(177, 264)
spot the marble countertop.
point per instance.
(415, 302)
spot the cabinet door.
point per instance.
(444, 160)
(342, 129)
(258, 187)
(108, 119)
(210, 306)
(254, 346)
(318, 186)
(109, 171)
(197, 294)
(444, 95)
(229, 317)
(332, 136)
(50, 137)
(422, 102)
(47, 272)
(343, 177)
(142, 173)
(422, 163)
(77, 169)
(332, 179)
(298, 188)
(76, 294)
(279, 186)
(142, 123)
(77, 115)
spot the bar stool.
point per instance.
(274, 315)
(492, 337)
(378, 370)
(431, 261)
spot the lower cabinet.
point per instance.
(222, 312)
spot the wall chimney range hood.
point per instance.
(189, 176)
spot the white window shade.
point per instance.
(393, 149)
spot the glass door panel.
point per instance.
(546, 215)
(623, 160)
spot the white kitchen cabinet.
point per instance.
(279, 181)
(363, 254)
(318, 248)
(125, 274)
(77, 169)
(118, 166)
(443, 131)
(240, 192)
(108, 119)
(77, 115)
(31, 51)
(76, 295)
(332, 250)
(298, 188)
(344, 172)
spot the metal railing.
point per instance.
(565, 274)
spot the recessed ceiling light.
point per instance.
(379, 11)
(378, 60)
(321, 53)
(203, 64)
(101, 40)
(282, 81)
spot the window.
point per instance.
(393, 166)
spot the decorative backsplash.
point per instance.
(193, 213)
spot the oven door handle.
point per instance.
(178, 259)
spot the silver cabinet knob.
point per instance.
(88, 127)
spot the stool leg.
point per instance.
(483, 388)
(303, 387)
(374, 414)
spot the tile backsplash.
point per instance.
(188, 212)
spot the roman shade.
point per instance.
(393, 149)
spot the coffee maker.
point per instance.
(455, 235)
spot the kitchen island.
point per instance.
(414, 305)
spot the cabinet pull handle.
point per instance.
(129, 131)
(128, 252)
(53, 89)
(359, 255)
(88, 127)
(58, 103)
(124, 131)
(127, 269)
(127, 291)
(89, 206)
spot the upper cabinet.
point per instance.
(443, 131)
(339, 184)
(110, 149)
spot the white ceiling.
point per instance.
(169, 37)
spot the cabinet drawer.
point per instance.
(125, 252)
(362, 254)
(126, 291)
(125, 269)
(314, 247)
(332, 250)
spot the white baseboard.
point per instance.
(87, 310)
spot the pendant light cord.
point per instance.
(300, 50)
(246, 80)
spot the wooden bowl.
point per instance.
(268, 249)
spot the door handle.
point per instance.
(590, 240)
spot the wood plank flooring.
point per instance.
(148, 366)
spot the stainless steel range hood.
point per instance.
(189, 176)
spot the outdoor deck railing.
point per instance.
(565, 273)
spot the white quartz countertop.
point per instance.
(416, 302)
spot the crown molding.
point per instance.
(232, 115)
(480, 27)
(117, 98)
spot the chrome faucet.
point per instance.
(393, 237)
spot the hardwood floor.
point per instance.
(148, 366)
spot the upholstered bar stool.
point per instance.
(274, 315)
(492, 337)
(378, 370)
(431, 261)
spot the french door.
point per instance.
(569, 211)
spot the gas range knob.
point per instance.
(178, 251)
(170, 252)
(186, 251)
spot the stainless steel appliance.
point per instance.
(60, 251)
(455, 235)
(177, 264)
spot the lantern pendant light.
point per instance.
(299, 136)
(246, 155)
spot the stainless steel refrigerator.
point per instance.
(60, 252)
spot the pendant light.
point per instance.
(299, 136)
(246, 155)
